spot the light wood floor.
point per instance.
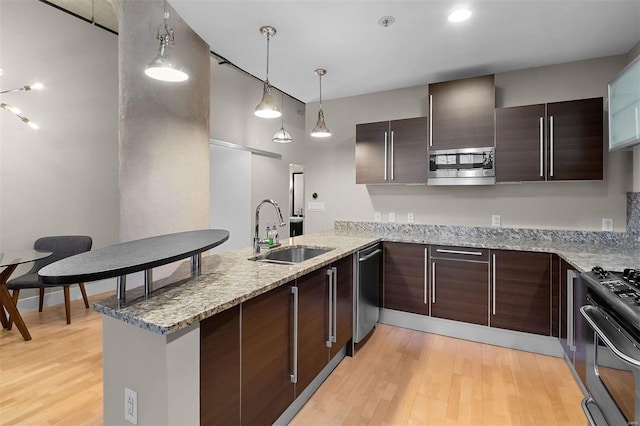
(407, 377)
(399, 377)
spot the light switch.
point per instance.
(392, 217)
(377, 217)
(315, 206)
(495, 220)
(607, 224)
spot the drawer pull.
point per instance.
(471, 253)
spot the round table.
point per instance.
(10, 260)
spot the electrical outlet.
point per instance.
(495, 220)
(377, 216)
(607, 224)
(410, 217)
(392, 217)
(131, 406)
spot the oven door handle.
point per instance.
(591, 416)
(599, 323)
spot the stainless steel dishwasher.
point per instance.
(367, 291)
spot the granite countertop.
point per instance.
(230, 278)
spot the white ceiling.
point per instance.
(420, 47)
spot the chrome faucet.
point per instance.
(256, 238)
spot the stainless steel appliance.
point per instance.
(613, 356)
(367, 291)
(469, 166)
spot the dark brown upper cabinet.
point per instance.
(461, 113)
(392, 151)
(555, 141)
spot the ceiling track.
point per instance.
(221, 59)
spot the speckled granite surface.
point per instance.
(633, 215)
(229, 278)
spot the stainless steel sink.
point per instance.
(292, 254)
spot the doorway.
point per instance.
(296, 200)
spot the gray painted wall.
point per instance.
(63, 178)
(552, 205)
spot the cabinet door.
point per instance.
(520, 143)
(462, 113)
(408, 148)
(576, 141)
(372, 152)
(344, 304)
(405, 278)
(266, 356)
(313, 327)
(220, 368)
(521, 293)
(460, 290)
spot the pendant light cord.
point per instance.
(268, 38)
(320, 75)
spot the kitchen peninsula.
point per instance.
(153, 345)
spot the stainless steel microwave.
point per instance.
(469, 166)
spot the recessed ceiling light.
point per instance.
(459, 15)
(386, 21)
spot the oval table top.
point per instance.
(131, 256)
(17, 257)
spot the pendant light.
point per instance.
(267, 108)
(320, 130)
(282, 136)
(162, 67)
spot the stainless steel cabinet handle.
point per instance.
(430, 120)
(571, 275)
(386, 154)
(494, 284)
(392, 158)
(369, 256)
(551, 146)
(433, 282)
(330, 276)
(294, 375)
(541, 147)
(425, 276)
(334, 337)
(472, 253)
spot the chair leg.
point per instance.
(67, 303)
(41, 299)
(14, 295)
(84, 295)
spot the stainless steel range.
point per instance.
(613, 355)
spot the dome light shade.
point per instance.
(459, 15)
(282, 136)
(321, 130)
(161, 68)
(267, 108)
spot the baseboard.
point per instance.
(55, 295)
(545, 345)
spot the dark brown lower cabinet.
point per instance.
(344, 308)
(521, 291)
(313, 329)
(266, 342)
(406, 278)
(220, 368)
(460, 284)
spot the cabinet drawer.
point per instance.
(460, 253)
